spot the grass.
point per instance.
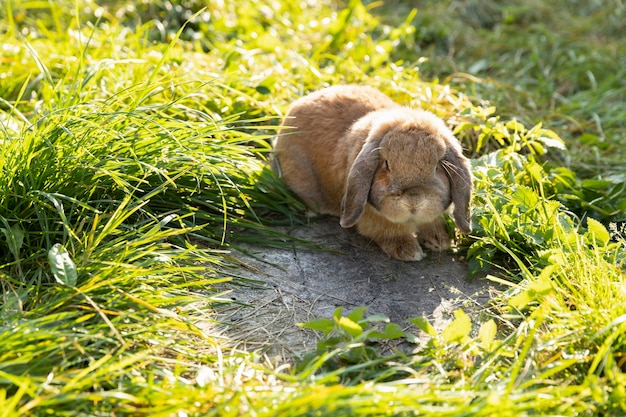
(133, 142)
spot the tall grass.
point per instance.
(117, 198)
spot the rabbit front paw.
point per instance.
(404, 248)
(434, 236)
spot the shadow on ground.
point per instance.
(294, 286)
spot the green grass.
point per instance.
(133, 142)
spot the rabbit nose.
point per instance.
(411, 207)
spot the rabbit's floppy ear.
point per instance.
(359, 182)
(458, 172)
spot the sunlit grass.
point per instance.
(119, 160)
(133, 149)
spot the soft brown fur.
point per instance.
(392, 171)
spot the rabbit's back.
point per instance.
(336, 108)
(314, 150)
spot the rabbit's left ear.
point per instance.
(358, 184)
(457, 169)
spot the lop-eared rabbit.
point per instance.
(391, 171)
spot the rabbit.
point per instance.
(352, 152)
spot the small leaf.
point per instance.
(536, 290)
(329, 343)
(63, 268)
(595, 184)
(478, 66)
(520, 300)
(458, 329)
(205, 376)
(515, 126)
(423, 324)
(391, 331)
(11, 302)
(322, 325)
(596, 232)
(487, 334)
(165, 220)
(542, 286)
(262, 89)
(377, 318)
(553, 142)
(338, 312)
(589, 139)
(356, 315)
(350, 327)
(14, 236)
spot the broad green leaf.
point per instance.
(525, 198)
(589, 139)
(535, 171)
(458, 329)
(62, 266)
(423, 324)
(596, 232)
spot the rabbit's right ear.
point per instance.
(358, 184)
(457, 168)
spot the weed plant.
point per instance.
(133, 148)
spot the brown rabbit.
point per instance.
(352, 152)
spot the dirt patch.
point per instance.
(294, 286)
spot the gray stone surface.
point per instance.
(295, 285)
